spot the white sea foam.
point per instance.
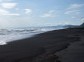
(3, 43)
(7, 35)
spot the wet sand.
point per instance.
(65, 45)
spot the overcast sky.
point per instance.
(23, 13)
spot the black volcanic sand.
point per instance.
(66, 45)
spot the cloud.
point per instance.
(5, 12)
(70, 12)
(49, 14)
(75, 6)
(12, 14)
(74, 10)
(8, 5)
(28, 11)
(5, 0)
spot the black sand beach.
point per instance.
(65, 45)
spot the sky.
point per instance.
(27, 13)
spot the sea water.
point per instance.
(8, 35)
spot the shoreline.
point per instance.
(42, 45)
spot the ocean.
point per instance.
(9, 35)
